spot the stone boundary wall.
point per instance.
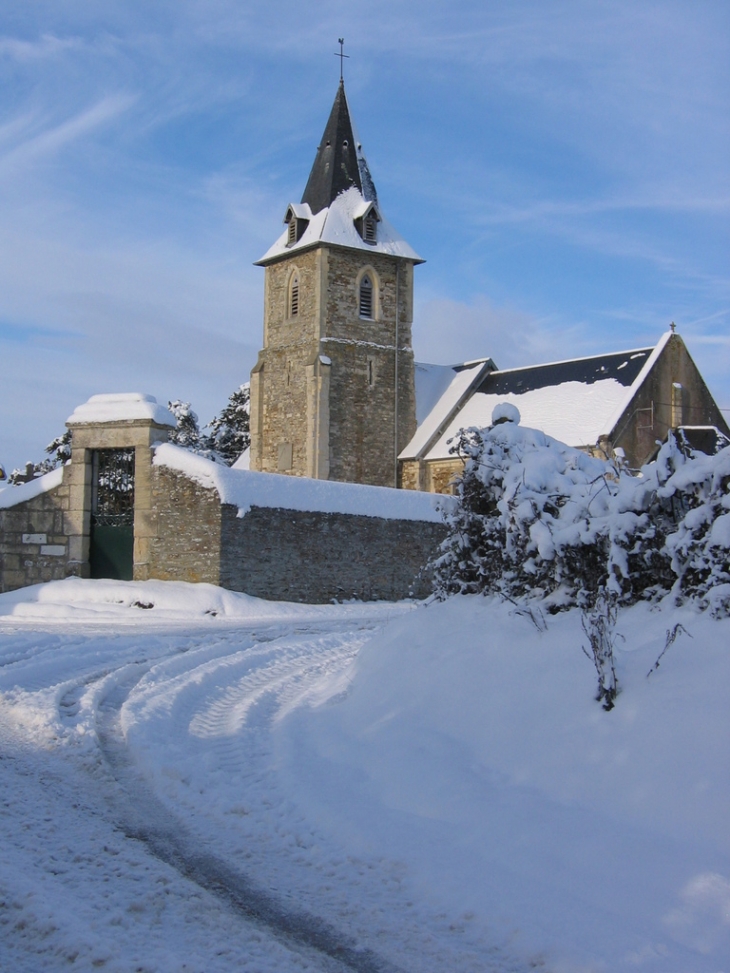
(291, 555)
(274, 553)
(285, 555)
(33, 544)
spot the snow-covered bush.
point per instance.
(699, 490)
(538, 518)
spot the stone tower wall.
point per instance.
(362, 381)
(279, 381)
(324, 389)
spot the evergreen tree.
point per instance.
(59, 452)
(229, 434)
(187, 432)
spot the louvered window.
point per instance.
(366, 297)
(294, 302)
(371, 229)
(292, 232)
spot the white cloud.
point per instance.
(30, 148)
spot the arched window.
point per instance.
(294, 296)
(366, 297)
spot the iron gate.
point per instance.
(111, 552)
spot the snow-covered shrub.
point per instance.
(538, 518)
(599, 624)
(699, 490)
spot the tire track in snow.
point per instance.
(145, 818)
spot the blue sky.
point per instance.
(564, 168)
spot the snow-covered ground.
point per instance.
(195, 780)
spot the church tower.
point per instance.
(332, 392)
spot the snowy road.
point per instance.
(147, 820)
(193, 781)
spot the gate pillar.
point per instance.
(108, 425)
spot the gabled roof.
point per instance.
(339, 164)
(576, 401)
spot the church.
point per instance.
(336, 394)
(362, 434)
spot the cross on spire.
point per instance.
(341, 55)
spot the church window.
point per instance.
(366, 297)
(291, 232)
(294, 296)
(371, 373)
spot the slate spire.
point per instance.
(339, 164)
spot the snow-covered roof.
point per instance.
(457, 380)
(335, 224)
(576, 401)
(11, 496)
(301, 211)
(121, 407)
(245, 489)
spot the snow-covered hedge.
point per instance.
(536, 517)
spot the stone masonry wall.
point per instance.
(187, 523)
(290, 344)
(289, 555)
(362, 381)
(651, 413)
(270, 552)
(285, 555)
(33, 545)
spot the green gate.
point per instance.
(111, 552)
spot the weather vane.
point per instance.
(341, 55)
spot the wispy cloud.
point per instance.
(34, 146)
(47, 46)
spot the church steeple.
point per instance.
(333, 390)
(339, 164)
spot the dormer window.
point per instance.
(366, 297)
(366, 222)
(297, 220)
(370, 228)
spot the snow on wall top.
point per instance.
(336, 224)
(121, 407)
(245, 489)
(11, 496)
